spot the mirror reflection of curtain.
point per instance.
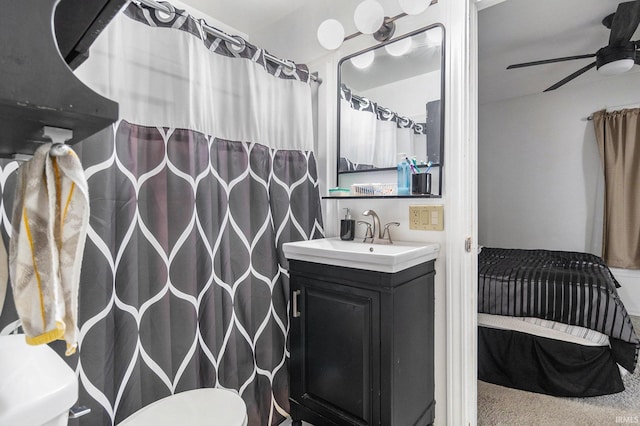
(618, 136)
(359, 129)
(374, 136)
(193, 192)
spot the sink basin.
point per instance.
(355, 254)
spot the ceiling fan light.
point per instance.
(413, 7)
(616, 67)
(368, 16)
(330, 34)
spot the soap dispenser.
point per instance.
(404, 175)
(347, 227)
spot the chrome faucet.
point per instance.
(376, 224)
(376, 234)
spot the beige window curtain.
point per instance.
(618, 136)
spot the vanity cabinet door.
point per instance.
(335, 358)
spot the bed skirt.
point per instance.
(539, 364)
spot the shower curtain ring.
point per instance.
(289, 68)
(236, 47)
(164, 16)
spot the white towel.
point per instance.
(49, 226)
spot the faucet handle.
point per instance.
(368, 232)
(387, 231)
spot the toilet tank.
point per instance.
(36, 386)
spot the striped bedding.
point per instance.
(545, 328)
(566, 287)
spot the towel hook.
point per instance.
(58, 136)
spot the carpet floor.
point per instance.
(498, 405)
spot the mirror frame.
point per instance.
(440, 164)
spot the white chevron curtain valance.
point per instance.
(175, 74)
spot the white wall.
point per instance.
(539, 172)
(630, 290)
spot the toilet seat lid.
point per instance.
(208, 406)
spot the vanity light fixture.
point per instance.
(363, 60)
(369, 19)
(330, 34)
(413, 7)
(434, 37)
(400, 47)
(369, 16)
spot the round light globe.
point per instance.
(400, 47)
(616, 67)
(413, 7)
(434, 37)
(363, 60)
(369, 16)
(330, 34)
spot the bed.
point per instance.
(552, 322)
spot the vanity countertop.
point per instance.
(388, 258)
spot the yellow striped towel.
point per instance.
(49, 226)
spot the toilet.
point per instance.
(198, 407)
(36, 387)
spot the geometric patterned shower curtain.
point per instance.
(193, 192)
(183, 281)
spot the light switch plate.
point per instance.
(426, 218)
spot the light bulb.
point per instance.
(330, 34)
(400, 47)
(363, 60)
(413, 7)
(434, 37)
(616, 67)
(368, 17)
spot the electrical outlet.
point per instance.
(426, 218)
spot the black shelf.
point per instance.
(355, 197)
(38, 86)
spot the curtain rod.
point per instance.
(617, 107)
(217, 33)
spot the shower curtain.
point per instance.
(193, 192)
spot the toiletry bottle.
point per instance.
(347, 227)
(404, 176)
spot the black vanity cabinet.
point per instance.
(361, 345)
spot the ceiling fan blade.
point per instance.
(551, 61)
(572, 76)
(625, 22)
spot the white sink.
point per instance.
(355, 254)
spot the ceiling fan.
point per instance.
(616, 57)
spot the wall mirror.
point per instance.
(390, 101)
